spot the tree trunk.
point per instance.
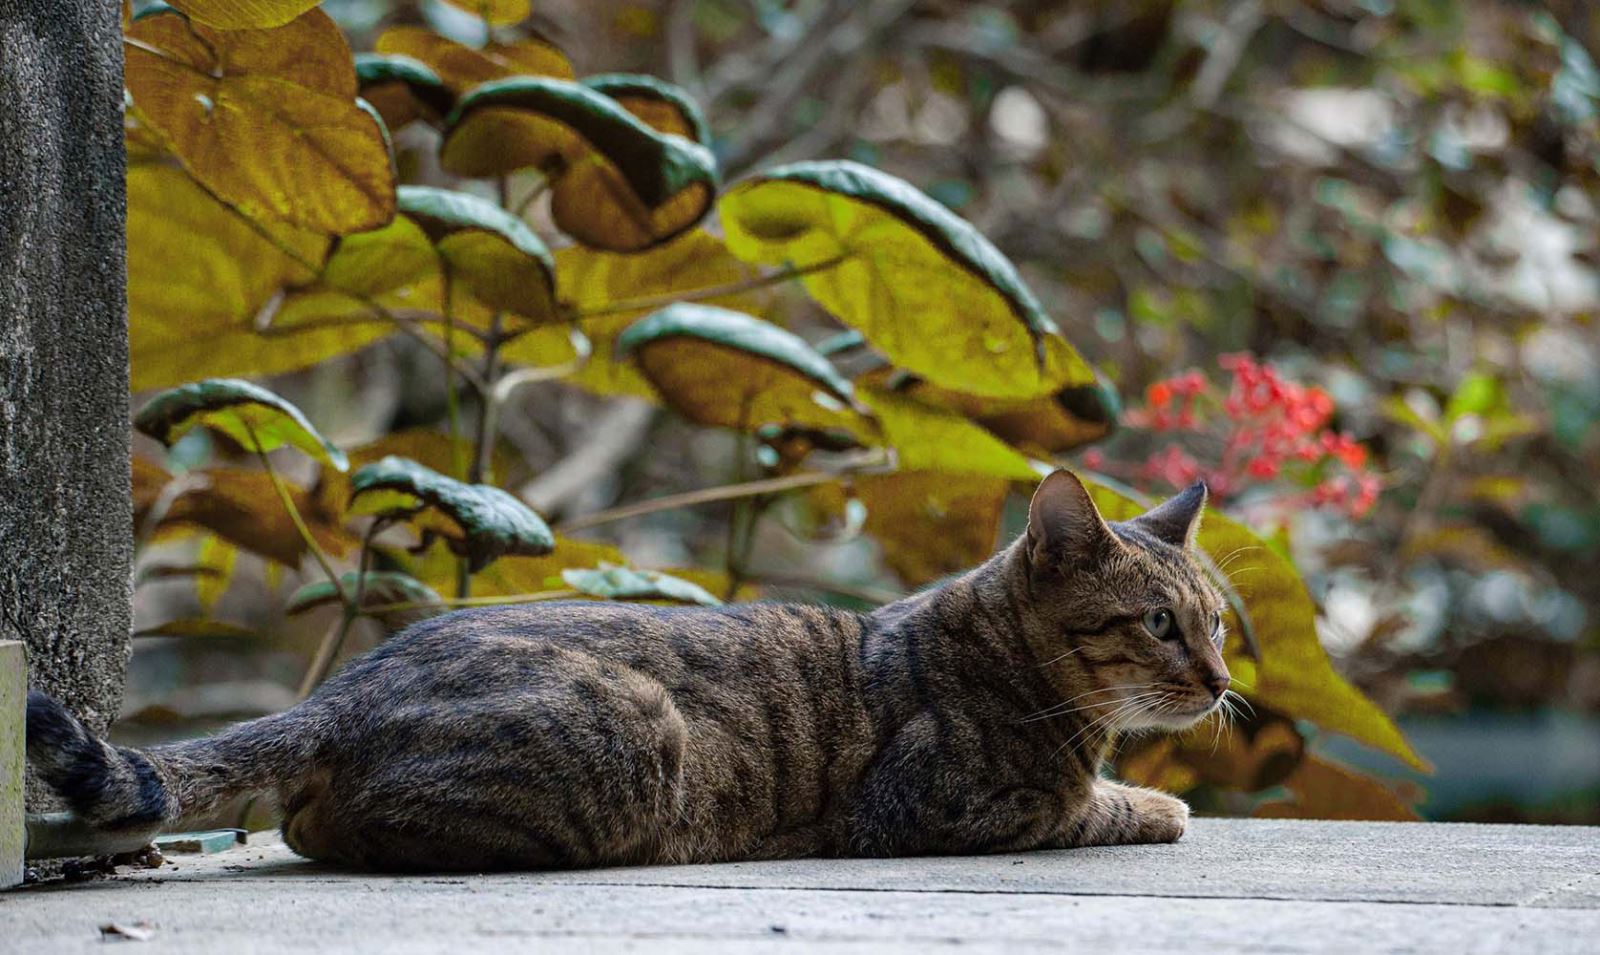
(65, 514)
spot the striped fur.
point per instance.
(970, 718)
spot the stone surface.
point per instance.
(65, 516)
(1230, 885)
(13, 693)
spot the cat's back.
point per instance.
(755, 649)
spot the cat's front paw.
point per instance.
(1162, 818)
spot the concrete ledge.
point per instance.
(1231, 885)
(13, 713)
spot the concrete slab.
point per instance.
(1231, 885)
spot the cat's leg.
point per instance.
(1116, 814)
(580, 765)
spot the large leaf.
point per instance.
(661, 105)
(242, 508)
(926, 438)
(198, 274)
(242, 14)
(480, 523)
(1295, 676)
(925, 287)
(618, 184)
(721, 367)
(251, 415)
(402, 89)
(266, 119)
(463, 67)
(590, 280)
(1045, 426)
(624, 583)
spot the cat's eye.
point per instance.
(1160, 624)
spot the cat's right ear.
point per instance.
(1064, 526)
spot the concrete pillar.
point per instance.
(65, 512)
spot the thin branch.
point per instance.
(727, 492)
(652, 302)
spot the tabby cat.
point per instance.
(969, 718)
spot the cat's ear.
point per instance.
(1177, 520)
(1064, 524)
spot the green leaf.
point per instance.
(479, 522)
(721, 367)
(251, 415)
(618, 184)
(1294, 676)
(383, 587)
(926, 438)
(661, 105)
(926, 288)
(488, 250)
(402, 89)
(624, 583)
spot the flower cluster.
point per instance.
(1264, 428)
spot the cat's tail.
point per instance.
(115, 788)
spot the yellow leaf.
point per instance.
(931, 524)
(217, 558)
(198, 275)
(1321, 789)
(243, 14)
(266, 119)
(496, 12)
(1295, 676)
(1045, 426)
(926, 289)
(926, 438)
(463, 67)
(242, 508)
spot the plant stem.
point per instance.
(652, 302)
(538, 190)
(299, 522)
(327, 652)
(482, 468)
(490, 601)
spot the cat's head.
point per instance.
(1123, 618)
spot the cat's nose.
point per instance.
(1218, 684)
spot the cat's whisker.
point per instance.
(1107, 719)
(1058, 659)
(1054, 708)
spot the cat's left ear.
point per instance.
(1177, 520)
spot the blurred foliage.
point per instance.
(1391, 201)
